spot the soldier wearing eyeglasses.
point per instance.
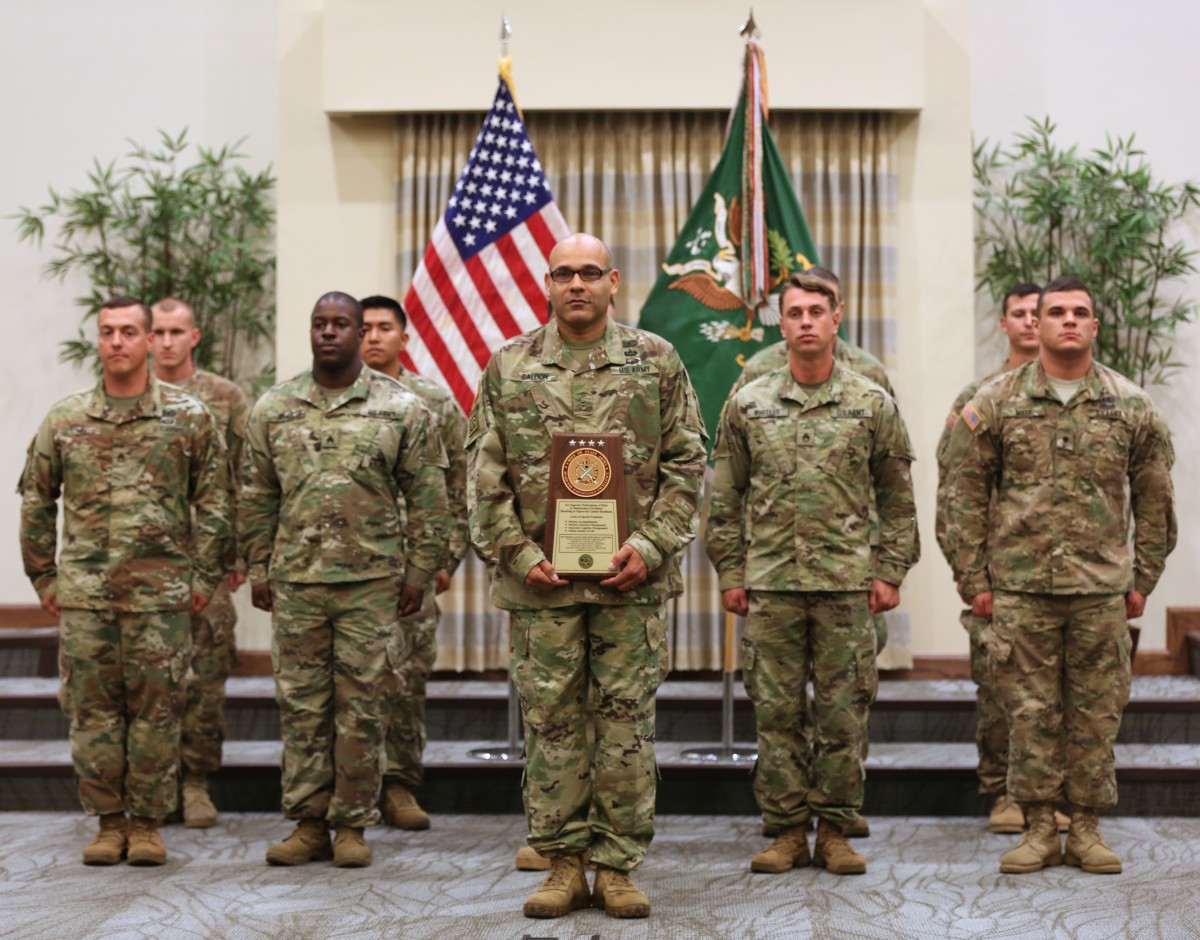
(581, 373)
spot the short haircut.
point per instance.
(379, 302)
(1060, 285)
(174, 305)
(342, 299)
(823, 282)
(124, 300)
(1024, 289)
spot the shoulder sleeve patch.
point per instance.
(972, 418)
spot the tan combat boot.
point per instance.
(309, 842)
(400, 808)
(618, 896)
(789, 850)
(529, 860)
(564, 890)
(833, 852)
(1040, 846)
(108, 845)
(1085, 846)
(859, 829)
(198, 809)
(145, 844)
(1006, 816)
(350, 849)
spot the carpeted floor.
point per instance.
(926, 878)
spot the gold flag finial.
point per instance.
(749, 28)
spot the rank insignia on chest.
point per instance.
(765, 412)
(167, 420)
(972, 418)
(1064, 441)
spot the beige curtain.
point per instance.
(632, 179)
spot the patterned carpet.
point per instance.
(926, 878)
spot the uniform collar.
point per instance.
(830, 390)
(307, 389)
(149, 404)
(1037, 383)
(553, 345)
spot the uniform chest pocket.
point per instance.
(296, 450)
(1025, 451)
(1104, 444)
(528, 414)
(87, 466)
(773, 443)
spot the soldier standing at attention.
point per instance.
(334, 456)
(213, 647)
(856, 359)
(798, 455)
(386, 335)
(141, 470)
(1048, 465)
(1018, 323)
(581, 373)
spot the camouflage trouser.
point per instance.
(1061, 665)
(329, 652)
(411, 655)
(123, 690)
(212, 660)
(790, 634)
(991, 726)
(598, 797)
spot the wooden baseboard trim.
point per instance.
(25, 615)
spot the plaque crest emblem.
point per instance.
(586, 472)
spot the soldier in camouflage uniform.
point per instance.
(1018, 323)
(858, 360)
(141, 470)
(798, 455)
(415, 645)
(1070, 451)
(213, 647)
(584, 372)
(333, 458)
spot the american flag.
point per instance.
(480, 280)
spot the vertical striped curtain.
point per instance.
(632, 179)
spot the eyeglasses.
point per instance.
(589, 272)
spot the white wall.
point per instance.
(77, 78)
(1097, 69)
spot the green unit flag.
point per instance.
(716, 298)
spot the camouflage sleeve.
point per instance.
(235, 439)
(725, 537)
(215, 553)
(40, 486)
(1153, 502)
(940, 520)
(495, 529)
(258, 500)
(891, 460)
(973, 458)
(671, 522)
(453, 427)
(421, 476)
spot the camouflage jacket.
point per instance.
(229, 407)
(452, 430)
(854, 358)
(636, 384)
(321, 489)
(940, 519)
(130, 484)
(793, 481)
(1059, 474)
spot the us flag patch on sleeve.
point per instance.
(972, 418)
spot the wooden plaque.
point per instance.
(585, 514)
